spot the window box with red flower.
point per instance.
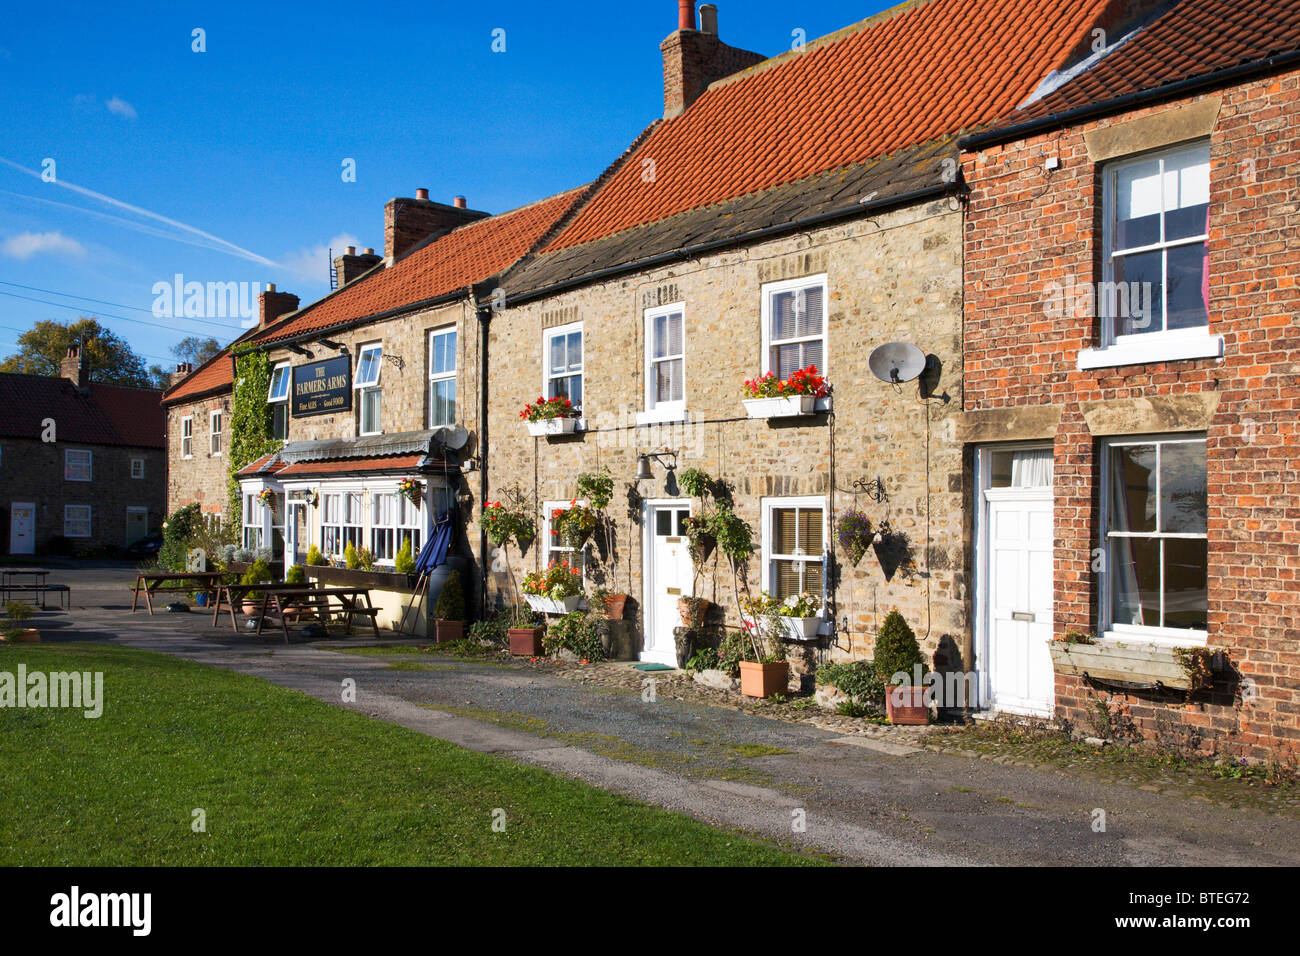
(550, 416)
(556, 589)
(805, 392)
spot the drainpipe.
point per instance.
(484, 314)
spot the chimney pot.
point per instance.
(459, 202)
(422, 193)
(709, 18)
(352, 250)
(686, 14)
(369, 251)
(270, 287)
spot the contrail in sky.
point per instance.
(220, 245)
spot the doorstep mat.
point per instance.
(646, 666)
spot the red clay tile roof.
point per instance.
(214, 374)
(266, 465)
(105, 415)
(468, 254)
(908, 76)
(351, 465)
(1194, 38)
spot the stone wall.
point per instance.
(894, 277)
(1029, 227)
(202, 477)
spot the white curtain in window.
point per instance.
(1031, 468)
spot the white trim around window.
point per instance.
(1174, 548)
(78, 464)
(563, 372)
(187, 437)
(442, 376)
(806, 509)
(277, 396)
(806, 315)
(215, 421)
(137, 467)
(665, 364)
(370, 360)
(76, 521)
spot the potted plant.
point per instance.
(404, 560)
(556, 589)
(764, 671)
(524, 635)
(575, 524)
(800, 616)
(315, 558)
(259, 572)
(854, 532)
(449, 611)
(772, 397)
(898, 662)
(410, 489)
(550, 416)
(608, 602)
(701, 543)
(577, 634)
(597, 487)
(18, 613)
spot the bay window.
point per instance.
(1157, 555)
(393, 520)
(254, 520)
(341, 522)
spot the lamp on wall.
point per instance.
(643, 472)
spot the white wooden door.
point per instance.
(22, 528)
(1019, 600)
(137, 524)
(668, 577)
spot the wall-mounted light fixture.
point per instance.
(643, 472)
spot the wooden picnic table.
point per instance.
(7, 586)
(321, 601)
(233, 595)
(154, 581)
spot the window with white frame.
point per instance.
(393, 520)
(369, 393)
(1156, 568)
(137, 467)
(794, 534)
(77, 464)
(559, 547)
(214, 431)
(341, 522)
(254, 517)
(1154, 234)
(277, 396)
(442, 377)
(794, 326)
(187, 437)
(665, 375)
(562, 355)
(76, 521)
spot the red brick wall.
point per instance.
(1027, 228)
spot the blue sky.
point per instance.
(225, 165)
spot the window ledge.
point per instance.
(656, 416)
(1160, 349)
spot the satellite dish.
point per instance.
(896, 362)
(452, 436)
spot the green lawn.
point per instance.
(285, 779)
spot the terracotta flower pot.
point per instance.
(905, 704)
(526, 641)
(26, 635)
(251, 607)
(614, 606)
(764, 680)
(693, 611)
(447, 631)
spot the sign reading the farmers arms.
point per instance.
(322, 387)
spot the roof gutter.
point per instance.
(692, 252)
(1128, 101)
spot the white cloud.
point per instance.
(27, 244)
(120, 107)
(313, 263)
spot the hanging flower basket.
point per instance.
(266, 498)
(411, 490)
(854, 532)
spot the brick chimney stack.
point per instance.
(408, 222)
(695, 58)
(182, 369)
(350, 265)
(75, 366)
(271, 305)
